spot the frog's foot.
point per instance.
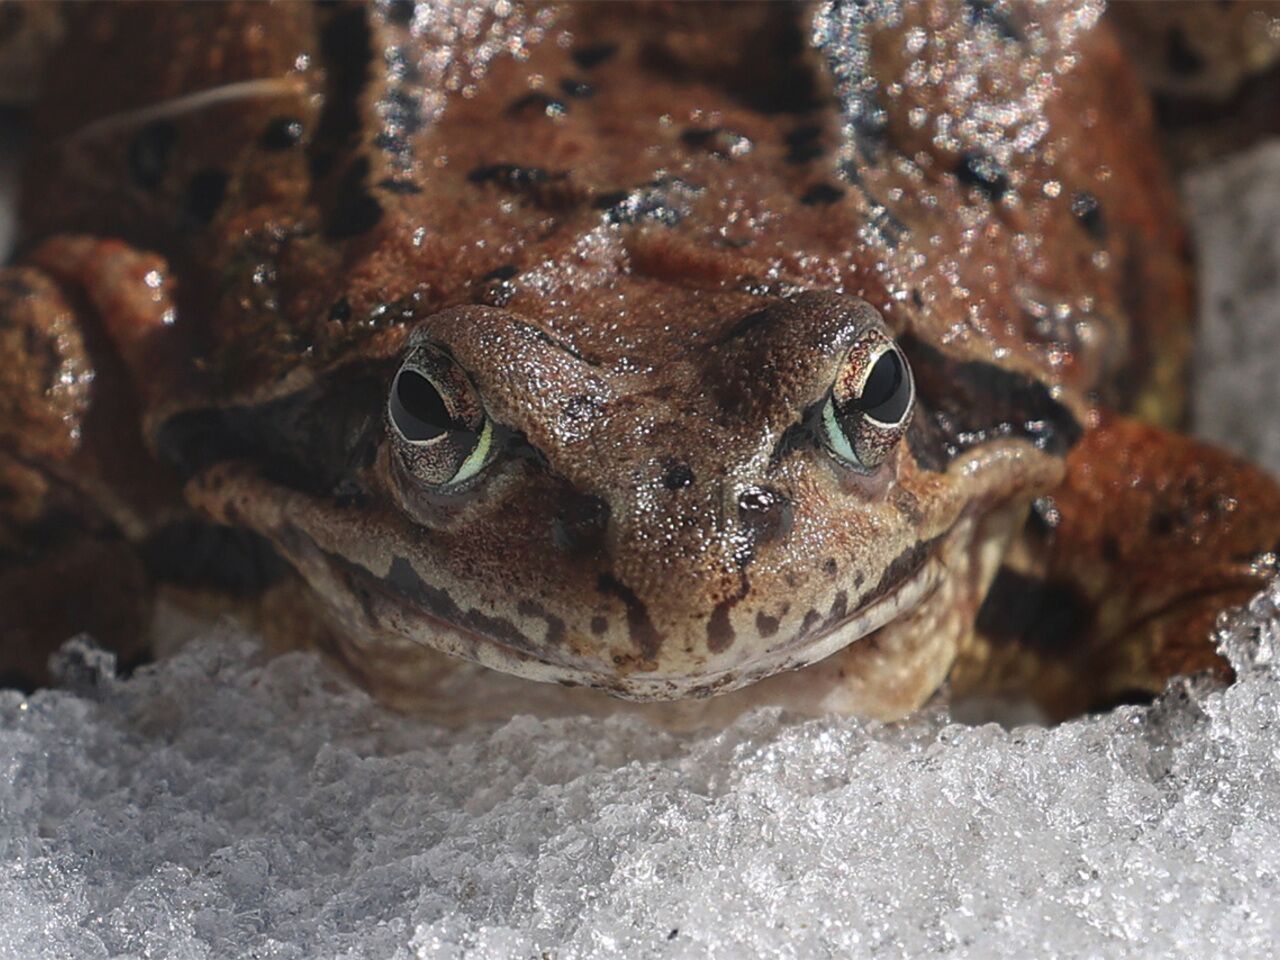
(65, 561)
(1115, 587)
(129, 294)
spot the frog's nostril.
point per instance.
(766, 513)
(677, 475)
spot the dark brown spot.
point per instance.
(1183, 60)
(594, 55)
(677, 475)
(981, 171)
(1088, 212)
(281, 133)
(203, 196)
(151, 151)
(643, 633)
(555, 626)
(830, 567)
(766, 625)
(341, 310)
(599, 625)
(989, 12)
(578, 89)
(821, 194)
(346, 51)
(400, 12)
(1051, 618)
(720, 632)
(401, 187)
(766, 513)
(354, 211)
(537, 102)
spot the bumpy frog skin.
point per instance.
(654, 348)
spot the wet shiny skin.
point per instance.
(653, 242)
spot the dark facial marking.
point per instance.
(983, 172)
(901, 569)
(281, 133)
(720, 632)
(316, 441)
(643, 633)
(151, 151)
(766, 625)
(594, 55)
(404, 582)
(964, 404)
(203, 197)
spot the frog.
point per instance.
(822, 355)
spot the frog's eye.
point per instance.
(870, 405)
(437, 421)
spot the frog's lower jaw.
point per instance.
(393, 621)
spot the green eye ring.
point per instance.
(870, 405)
(437, 422)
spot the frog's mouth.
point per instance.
(395, 619)
(399, 602)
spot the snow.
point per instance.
(221, 805)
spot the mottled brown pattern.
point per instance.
(644, 242)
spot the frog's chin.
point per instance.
(796, 653)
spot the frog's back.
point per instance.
(631, 177)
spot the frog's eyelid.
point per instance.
(835, 435)
(478, 457)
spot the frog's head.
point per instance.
(689, 515)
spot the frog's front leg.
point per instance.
(68, 445)
(1116, 584)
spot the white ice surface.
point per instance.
(218, 806)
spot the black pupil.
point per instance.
(887, 392)
(417, 408)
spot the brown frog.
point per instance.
(657, 348)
